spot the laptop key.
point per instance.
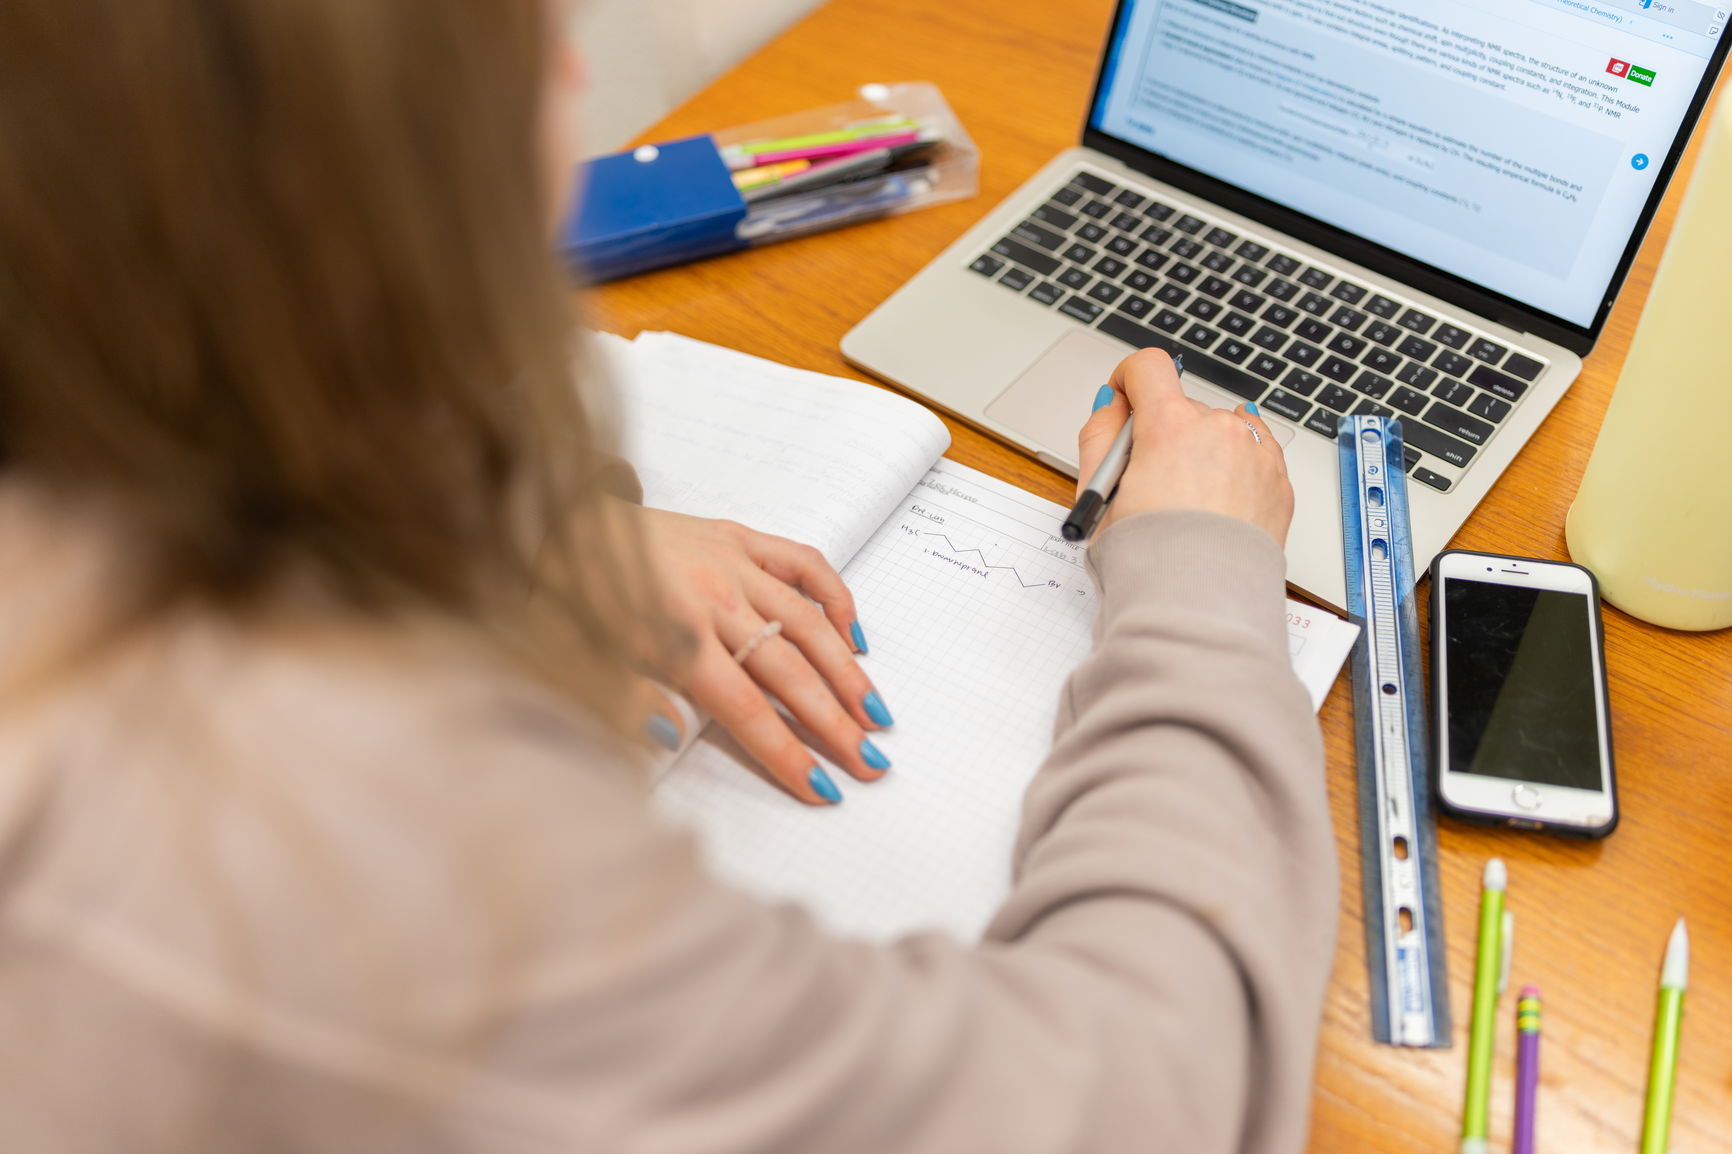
(1498, 383)
(1458, 423)
(1283, 265)
(1246, 301)
(1334, 397)
(1046, 293)
(1095, 184)
(1026, 256)
(1172, 294)
(1381, 360)
(1189, 225)
(1152, 258)
(1314, 303)
(1373, 385)
(1303, 354)
(1233, 351)
(1418, 348)
(1266, 366)
(1052, 214)
(1220, 237)
(1201, 335)
(1348, 291)
(1349, 319)
(1017, 279)
(1279, 315)
(1417, 321)
(1487, 406)
(1453, 391)
(1312, 330)
(1155, 234)
(1380, 305)
(1128, 198)
(1316, 278)
(1140, 282)
(1452, 363)
(986, 265)
(1286, 404)
(1215, 287)
(1451, 336)
(1416, 375)
(1109, 266)
(1106, 292)
(1488, 351)
(1138, 307)
(1083, 310)
(1269, 338)
(1093, 233)
(1204, 309)
(1438, 444)
(1238, 324)
(1184, 273)
(1096, 209)
(1074, 278)
(1155, 210)
(1303, 383)
(1038, 234)
(1436, 480)
(1168, 320)
(1524, 367)
(1068, 195)
(1252, 251)
(1127, 222)
(1370, 408)
(1080, 253)
(1218, 261)
(1410, 457)
(1121, 246)
(1250, 274)
(1408, 401)
(1346, 344)
(1336, 368)
(1381, 333)
(1323, 422)
(1185, 248)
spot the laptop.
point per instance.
(1329, 206)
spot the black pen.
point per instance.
(1092, 501)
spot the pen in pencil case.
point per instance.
(835, 171)
(818, 144)
(833, 206)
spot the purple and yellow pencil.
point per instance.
(1527, 1068)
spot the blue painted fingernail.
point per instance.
(662, 731)
(859, 637)
(1179, 363)
(1103, 398)
(1251, 407)
(872, 755)
(876, 711)
(823, 786)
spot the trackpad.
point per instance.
(1048, 404)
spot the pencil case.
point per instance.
(893, 149)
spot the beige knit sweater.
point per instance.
(343, 889)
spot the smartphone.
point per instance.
(1518, 694)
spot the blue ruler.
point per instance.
(1404, 951)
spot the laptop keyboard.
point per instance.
(1297, 339)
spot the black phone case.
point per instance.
(1479, 817)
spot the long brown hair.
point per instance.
(275, 282)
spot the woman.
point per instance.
(317, 833)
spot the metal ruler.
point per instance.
(1404, 951)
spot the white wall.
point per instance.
(646, 56)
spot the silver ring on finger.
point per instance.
(1253, 429)
(770, 629)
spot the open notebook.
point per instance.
(975, 608)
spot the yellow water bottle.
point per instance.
(1653, 518)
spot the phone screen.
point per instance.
(1521, 694)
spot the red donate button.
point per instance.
(1618, 67)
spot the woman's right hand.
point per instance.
(1185, 454)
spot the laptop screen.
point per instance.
(1512, 143)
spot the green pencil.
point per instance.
(1668, 1022)
(1482, 1032)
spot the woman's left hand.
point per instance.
(727, 583)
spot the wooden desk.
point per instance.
(1592, 919)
